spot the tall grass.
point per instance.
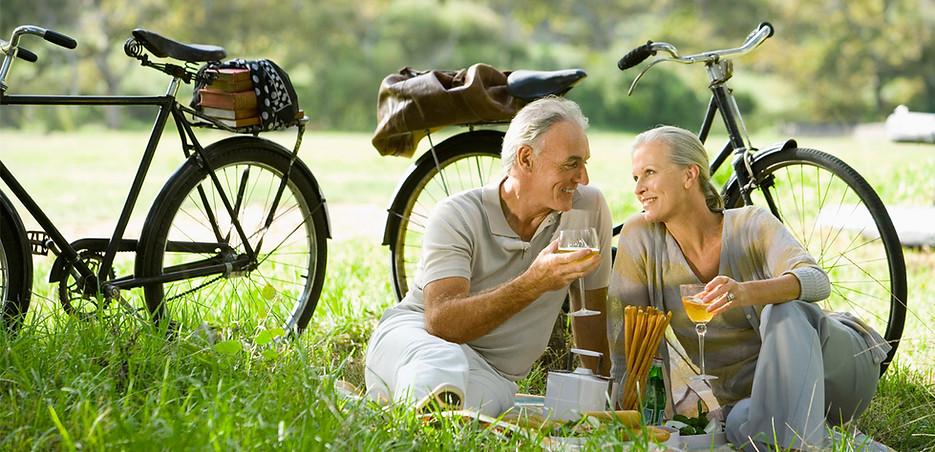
(118, 384)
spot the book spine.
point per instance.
(244, 122)
(231, 86)
(242, 100)
(223, 113)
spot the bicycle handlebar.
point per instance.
(60, 39)
(24, 54)
(13, 48)
(637, 55)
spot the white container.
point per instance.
(570, 394)
(707, 441)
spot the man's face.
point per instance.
(560, 165)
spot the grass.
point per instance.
(116, 384)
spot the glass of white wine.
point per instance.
(697, 311)
(571, 240)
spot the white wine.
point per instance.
(594, 252)
(696, 310)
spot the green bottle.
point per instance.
(654, 397)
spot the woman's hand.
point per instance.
(724, 293)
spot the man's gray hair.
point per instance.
(533, 121)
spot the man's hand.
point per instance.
(454, 315)
(552, 271)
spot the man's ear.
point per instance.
(524, 158)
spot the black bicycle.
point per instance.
(465, 160)
(237, 235)
(826, 204)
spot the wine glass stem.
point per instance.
(581, 295)
(701, 329)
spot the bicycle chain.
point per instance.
(195, 289)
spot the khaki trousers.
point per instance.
(404, 363)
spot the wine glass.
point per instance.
(697, 312)
(571, 240)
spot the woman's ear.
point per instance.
(691, 175)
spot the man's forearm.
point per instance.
(461, 318)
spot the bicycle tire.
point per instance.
(282, 286)
(464, 161)
(840, 219)
(15, 268)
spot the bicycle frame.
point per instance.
(723, 102)
(167, 106)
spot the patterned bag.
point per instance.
(277, 102)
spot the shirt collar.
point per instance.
(496, 219)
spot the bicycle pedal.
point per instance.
(38, 242)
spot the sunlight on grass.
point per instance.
(118, 383)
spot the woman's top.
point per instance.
(650, 266)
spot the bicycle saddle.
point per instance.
(526, 84)
(163, 47)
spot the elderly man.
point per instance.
(490, 283)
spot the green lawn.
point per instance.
(116, 385)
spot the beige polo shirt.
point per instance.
(467, 236)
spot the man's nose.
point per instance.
(583, 176)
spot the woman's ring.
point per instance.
(730, 297)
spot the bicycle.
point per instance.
(237, 234)
(826, 204)
(462, 161)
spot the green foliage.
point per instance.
(844, 64)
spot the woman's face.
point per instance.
(661, 186)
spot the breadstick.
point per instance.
(628, 326)
(635, 373)
(649, 351)
(640, 371)
(632, 363)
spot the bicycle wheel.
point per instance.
(274, 277)
(844, 225)
(15, 268)
(464, 161)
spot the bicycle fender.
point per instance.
(773, 148)
(298, 165)
(7, 211)
(392, 219)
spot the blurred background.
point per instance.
(831, 63)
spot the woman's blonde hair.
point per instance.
(685, 149)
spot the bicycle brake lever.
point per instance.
(646, 69)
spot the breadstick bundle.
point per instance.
(643, 331)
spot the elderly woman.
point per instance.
(784, 367)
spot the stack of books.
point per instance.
(230, 98)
